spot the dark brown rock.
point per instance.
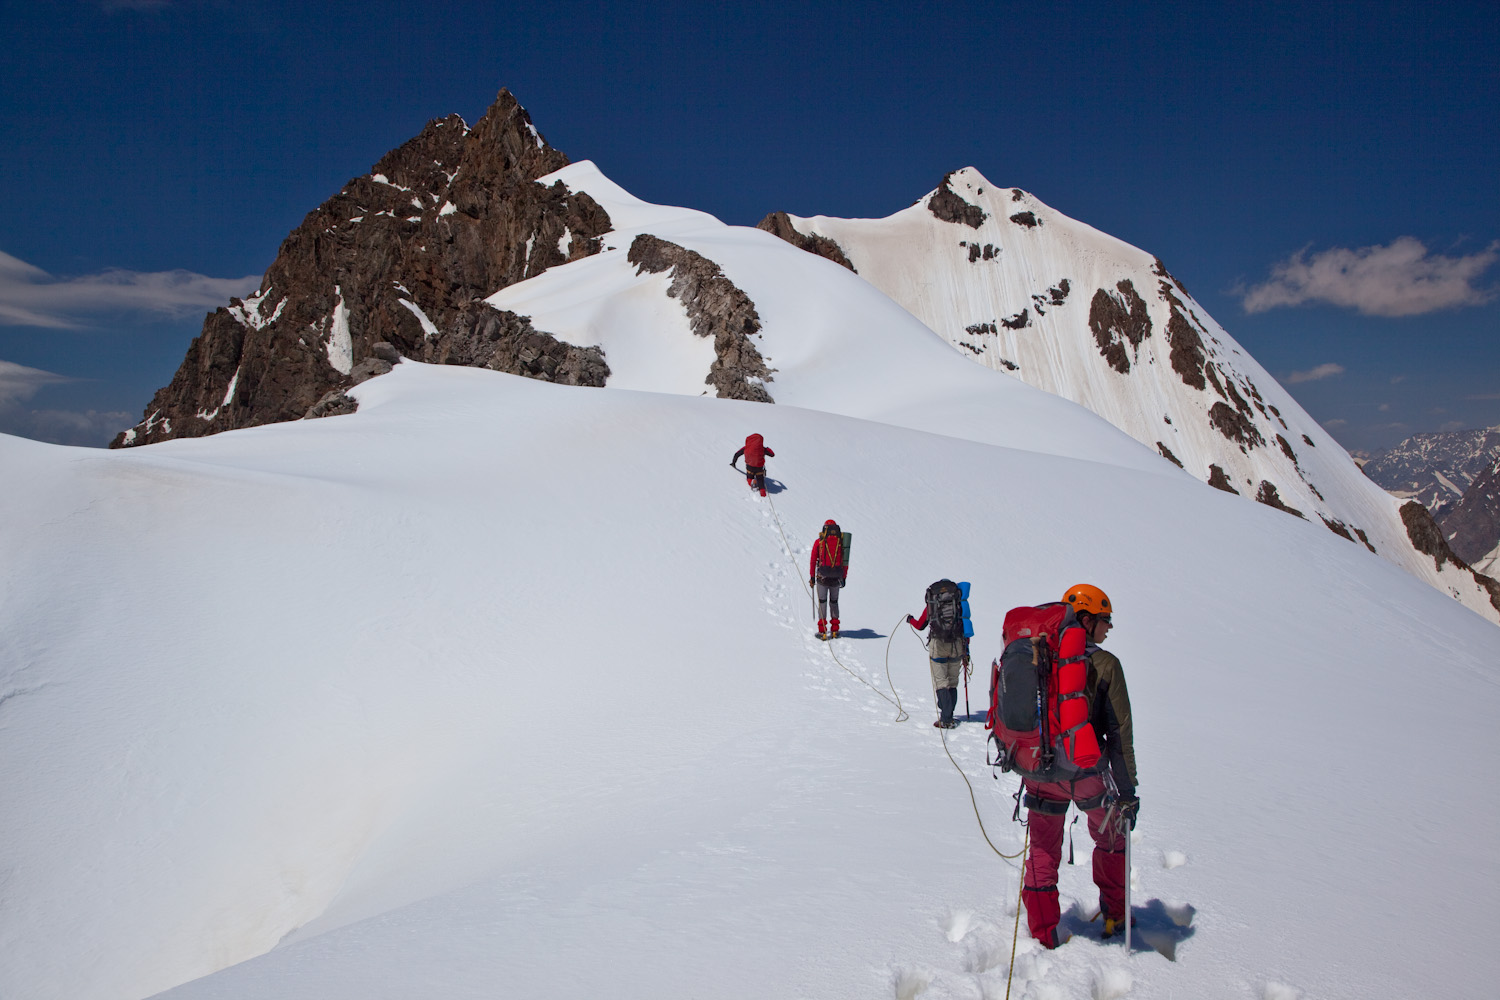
(1427, 538)
(779, 224)
(716, 308)
(946, 204)
(1117, 320)
(1337, 527)
(1167, 454)
(1027, 219)
(1187, 355)
(1271, 497)
(1235, 426)
(452, 215)
(484, 337)
(1019, 321)
(977, 252)
(334, 403)
(1160, 270)
(1219, 481)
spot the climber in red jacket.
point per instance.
(755, 452)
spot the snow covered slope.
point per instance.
(503, 688)
(1020, 287)
(834, 343)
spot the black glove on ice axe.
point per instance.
(1130, 808)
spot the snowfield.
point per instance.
(502, 688)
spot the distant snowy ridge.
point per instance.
(1017, 286)
(1436, 468)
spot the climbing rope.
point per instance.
(901, 714)
(894, 629)
(1015, 932)
(902, 717)
(975, 802)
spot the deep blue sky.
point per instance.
(194, 134)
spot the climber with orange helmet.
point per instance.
(1108, 797)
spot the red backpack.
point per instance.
(1039, 715)
(755, 450)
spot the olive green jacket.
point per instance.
(1109, 712)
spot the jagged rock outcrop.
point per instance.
(1426, 537)
(398, 256)
(779, 224)
(716, 308)
(948, 205)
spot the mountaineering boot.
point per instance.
(833, 631)
(1114, 925)
(947, 700)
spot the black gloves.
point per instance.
(911, 621)
(1130, 808)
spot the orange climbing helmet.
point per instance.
(1089, 598)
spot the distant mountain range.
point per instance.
(428, 257)
(1456, 475)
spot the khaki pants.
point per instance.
(946, 661)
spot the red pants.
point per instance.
(1045, 855)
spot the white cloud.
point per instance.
(30, 296)
(1401, 279)
(1336, 422)
(19, 383)
(1328, 370)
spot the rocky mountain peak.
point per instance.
(402, 256)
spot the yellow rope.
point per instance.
(1015, 932)
(975, 803)
(902, 717)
